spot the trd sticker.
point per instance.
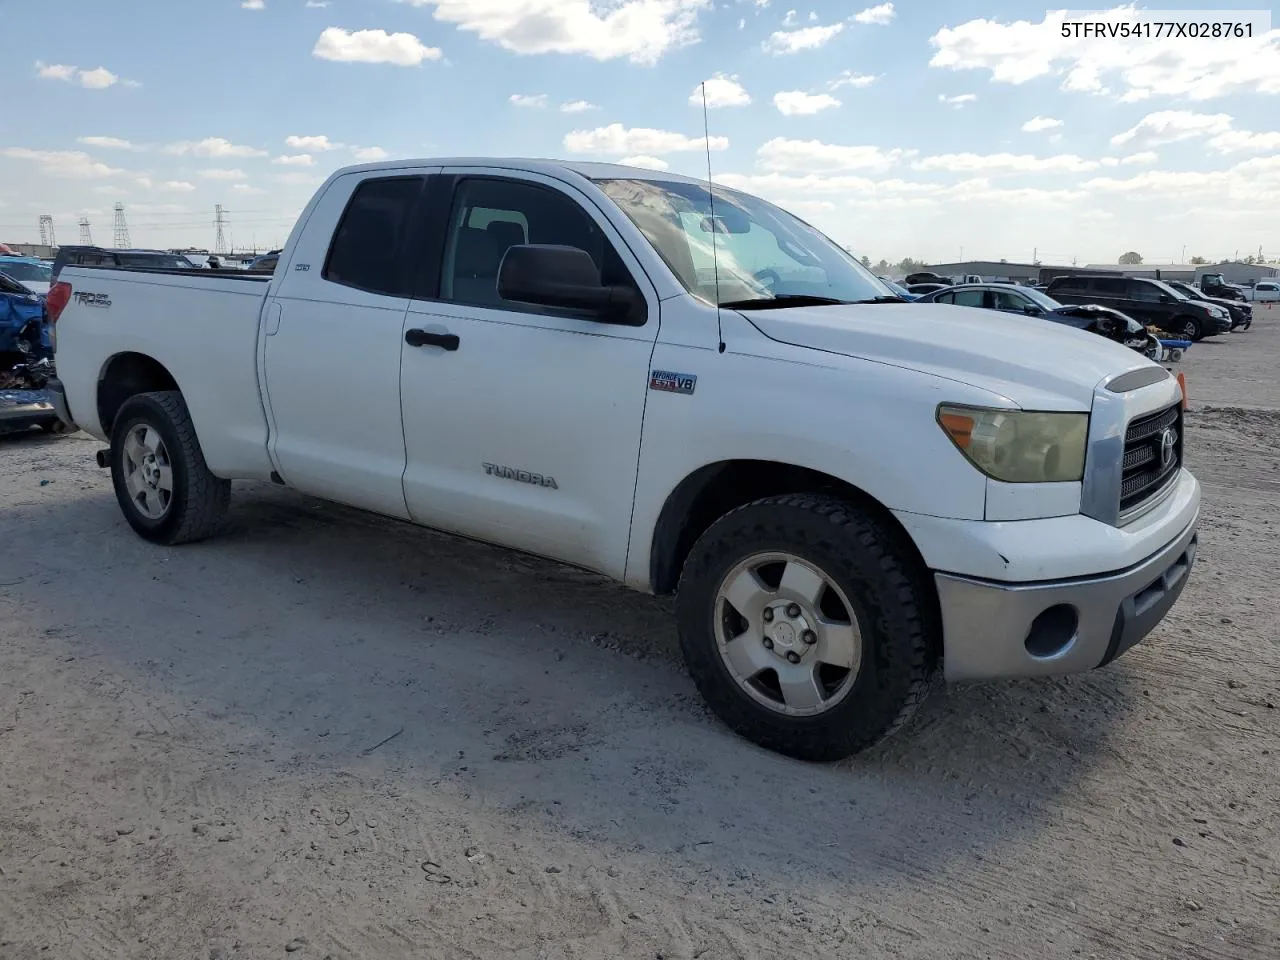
(92, 299)
(669, 382)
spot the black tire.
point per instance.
(199, 500)
(55, 426)
(863, 559)
(1189, 328)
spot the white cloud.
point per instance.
(219, 174)
(1146, 156)
(212, 147)
(99, 78)
(577, 106)
(55, 71)
(176, 186)
(648, 163)
(244, 188)
(254, 4)
(879, 15)
(369, 154)
(373, 46)
(959, 100)
(528, 100)
(993, 163)
(1171, 126)
(781, 154)
(797, 103)
(806, 38)
(106, 143)
(1038, 123)
(722, 91)
(64, 164)
(311, 144)
(295, 160)
(850, 79)
(615, 139)
(1197, 69)
(642, 30)
(1245, 141)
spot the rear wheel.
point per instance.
(162, 482)
(804, 626)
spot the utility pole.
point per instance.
(47, 239)
(86, 238)
(120, 228)
(1184, 254)
(219, 237)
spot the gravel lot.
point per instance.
(330, 735)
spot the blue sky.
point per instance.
(902, 129)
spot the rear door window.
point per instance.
(969, 298)
(368, 245)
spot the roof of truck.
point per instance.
(590, 169)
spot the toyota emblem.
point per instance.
(1168, 441)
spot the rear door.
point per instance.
(1143, 303)
(331, 344)
(525, 429)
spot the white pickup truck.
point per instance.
(692, 394)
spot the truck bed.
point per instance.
(191, 322)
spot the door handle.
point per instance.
(421, 338)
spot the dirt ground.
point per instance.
(331, 735)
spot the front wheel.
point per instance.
(165, 488)
(805, 626)
(1190, 328)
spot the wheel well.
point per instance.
(125, 375)
(710, 492)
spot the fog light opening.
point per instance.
(1053, 631)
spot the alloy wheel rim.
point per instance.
(148, 472)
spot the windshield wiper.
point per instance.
(879, 300)
(782, 300)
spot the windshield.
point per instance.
(21, 271)
(1040, 297)
(1176, 294)
(1188, 291)
(761, 252)
(897, 288)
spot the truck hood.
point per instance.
(1026, 359)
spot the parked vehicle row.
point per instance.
(601, 365)
(1150, 302)
(1028, 302)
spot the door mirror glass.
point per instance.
(1031, 310)
(561, 277)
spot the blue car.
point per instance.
(26, 360)
(33, 273)
(898, 288)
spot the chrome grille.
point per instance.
(1152, 456)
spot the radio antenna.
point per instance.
(715, 224)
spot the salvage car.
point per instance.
(693, 394)
(33, 273)
(1029, 302)
(26, 360)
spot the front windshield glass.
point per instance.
(20, 271)
(897, 288)
(1176, 294)
(1043, 299)
(762, 253)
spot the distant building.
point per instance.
(42, 250)
(1235, 272)
(1152, 271)
(987, 269)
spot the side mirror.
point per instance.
(1031, 310)
(550, 275)
(1165, 298)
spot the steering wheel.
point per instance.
(768, 277)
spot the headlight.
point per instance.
(1019, 446)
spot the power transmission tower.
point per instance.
(120, 228)
(219, 221)
(86, 237)
(47, 238)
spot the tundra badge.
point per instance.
(523, 476)
(669, 382)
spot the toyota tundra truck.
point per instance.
(686, 389)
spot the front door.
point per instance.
(331, 350)
(521, 423)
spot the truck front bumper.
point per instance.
(1052, 627)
